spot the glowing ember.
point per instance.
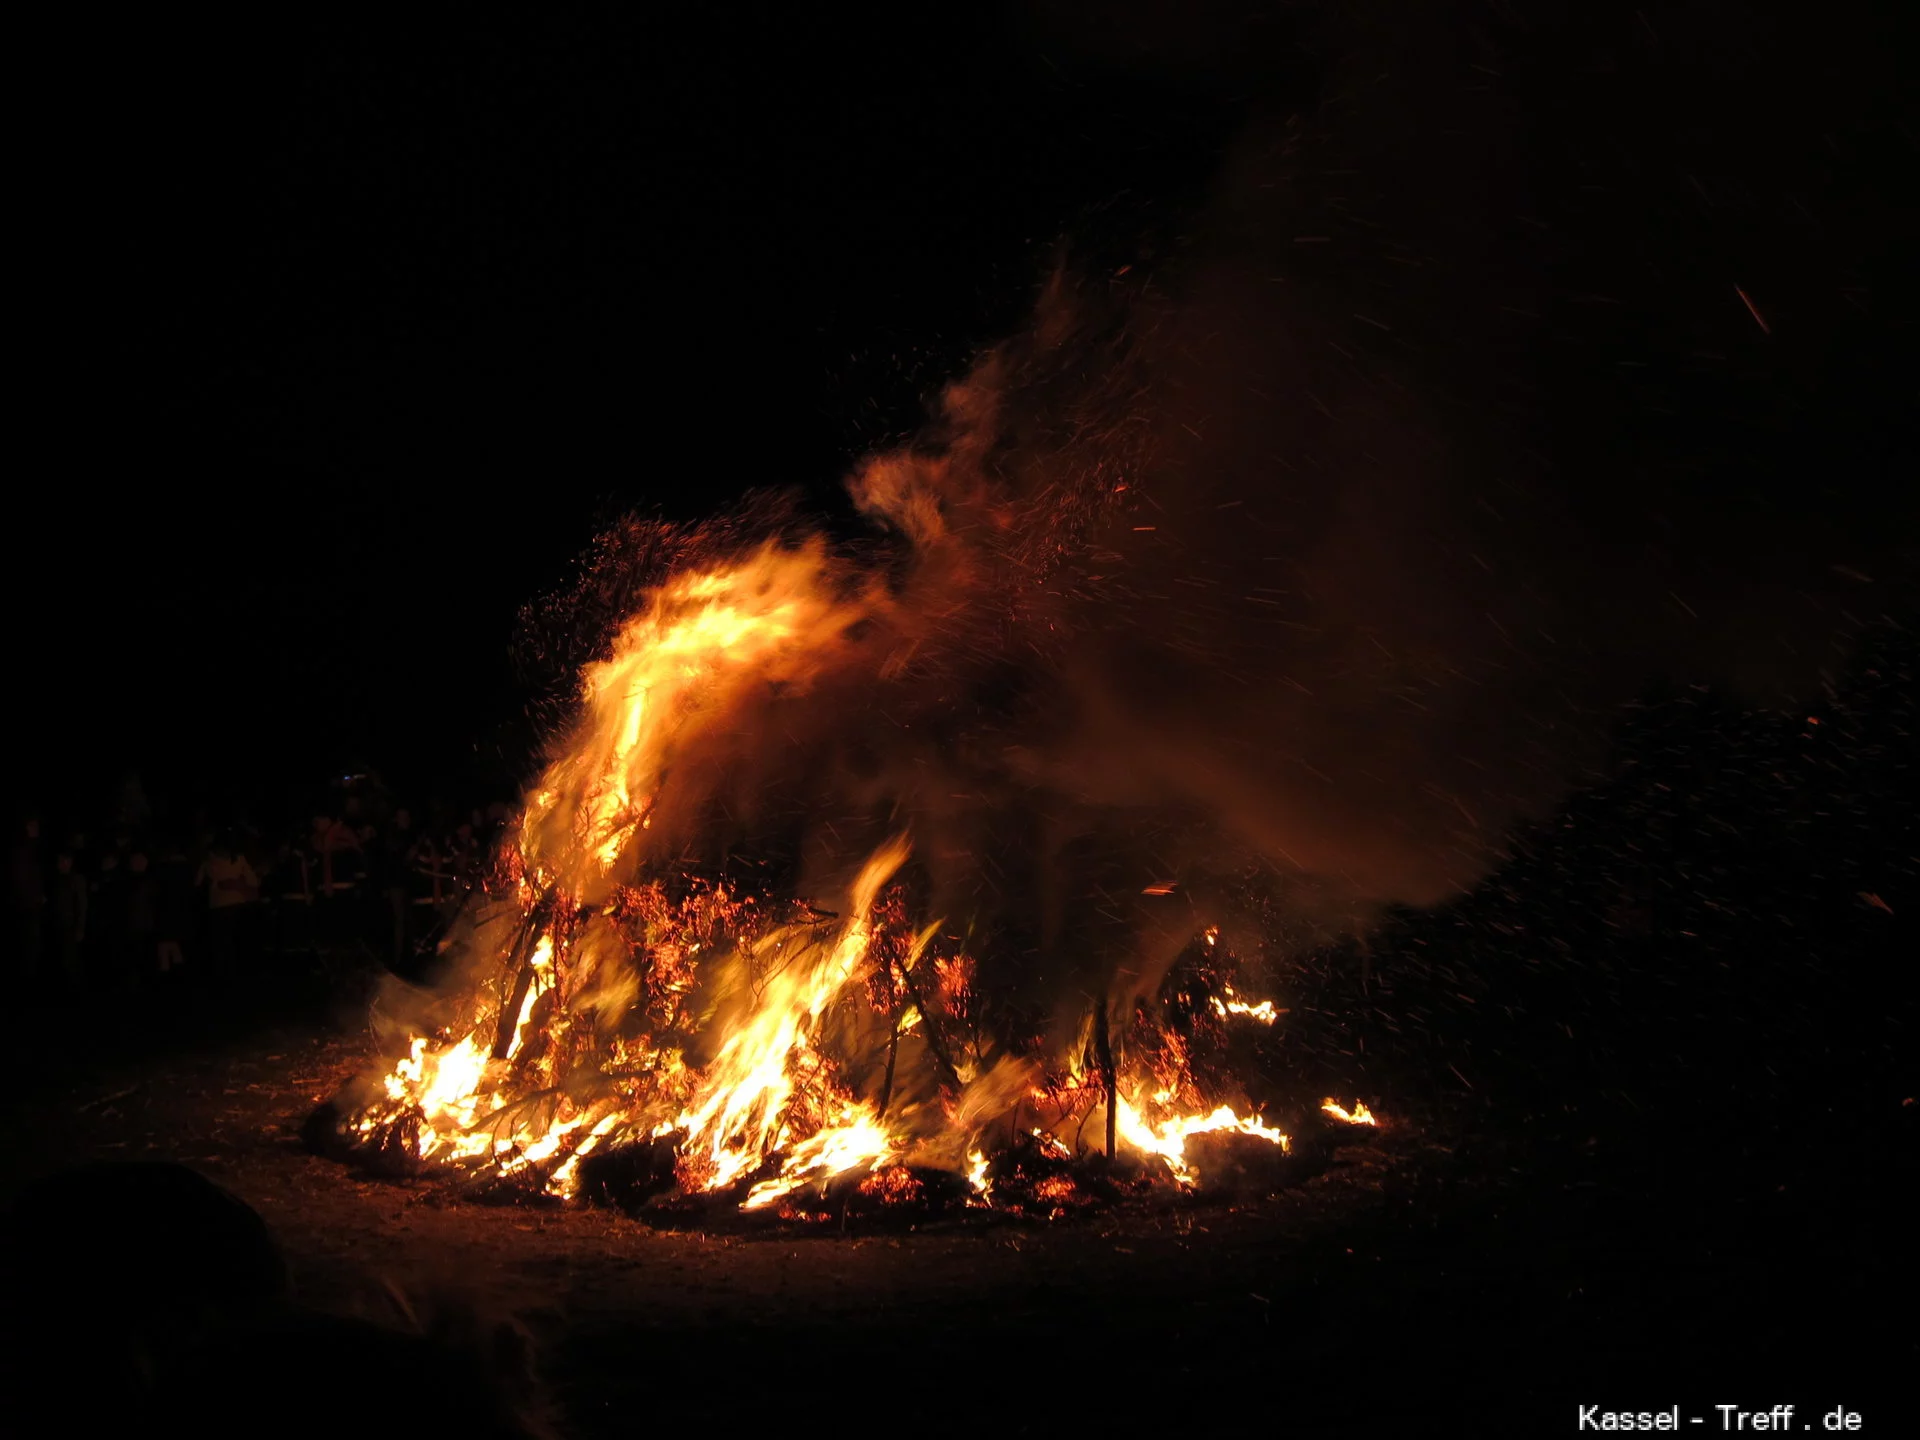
(1051, 1146)
(1359, 1115)
(1226, 1004)
(896, 1185)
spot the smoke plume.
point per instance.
(1279, 566)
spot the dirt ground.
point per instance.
(1427, 1276)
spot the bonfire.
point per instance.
(619, 1006)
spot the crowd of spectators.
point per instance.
(136, 898)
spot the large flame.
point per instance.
(776, 618)
(739, 1114)
(577, 1030)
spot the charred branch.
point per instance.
(936, 1042)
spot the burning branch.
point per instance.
(936, 1042)
(520, 965)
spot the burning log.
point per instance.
(630, 1175)
(1232, 1163)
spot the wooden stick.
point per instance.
(1103, 1050)
(893, 1053)
(949, 1074)
(523, 947)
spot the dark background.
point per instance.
(347, 332)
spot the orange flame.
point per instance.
(547, 1063)
(1232, 1005)
(1359, 1115)
(704, 641)
(1168, 1138)
(737, 1116)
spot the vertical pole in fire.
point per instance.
(1103, 1053)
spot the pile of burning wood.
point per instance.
(626, 1024)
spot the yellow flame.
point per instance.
(1168, 1139)
(859, 1140)
(704, 640)
(1231, 1005)
(1051, 1146)
(735, 1118)
(542, 966)
(1359, 1115)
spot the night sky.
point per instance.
(350, 333)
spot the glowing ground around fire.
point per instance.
(1405, 1278)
